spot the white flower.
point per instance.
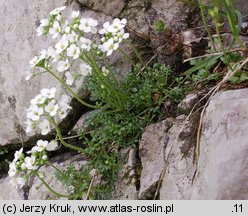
(39, 99)
(44, 126)
(73, 51)
(44, 157)
(18, 182)
(105, 71)
(52, 108)
(44, 22)
(86, 43)
(12, 169)
(117, 25)
(48, 93)
(106, 26)
(109, 46)
(23, 166)
(30, 161)
(64, 101)
(63, 65)
(29, 75)
(62, 112)
(29, 126)
(122, 35)
(51, 52)
(55, 30)
(72, 37)
(34, 112)
(40, 31)
(67, 29)
(34, 61)
(69, 78)
(57, 10)
(88, 25)
(32, 151)
(75, 14)
(52, 145)
(18, 155)
(85, 69)
(41, 145)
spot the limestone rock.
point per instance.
(187, 103)
(223, 165)
(179, 152)
(125, 187)
(151, 151)
(108, 7)
(8, 192)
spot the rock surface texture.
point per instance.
(223, 165)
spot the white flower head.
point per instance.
(72, 37)
(34, 61)
(85, 69)
(30, 162)
(105, 71)
(52, 108)
(34, 112)
(48, 93)
(12, 169)
(41, 145)
(30, 125)
(18, 155)
(61, 45)
(40, 31)
(29, 75)
(86, 44)
(39, 99)
(75, 14)
(51, 52)
(64, 101)
(105, 28)
(44, 22)
(88, 25)
(56, 11)
(63, 66)
(52, 145)
(109, 46)
(73, 51)
(55, 30)
(44, 126)
(62, 112)
(69, 78)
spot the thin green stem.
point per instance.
(69, 89)
(127, 57)
(61, 138)
(206, 25)
(137, 54)
(50, 189)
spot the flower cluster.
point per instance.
(76, 38)
(44, 108)
(112, 35)
(21, 167)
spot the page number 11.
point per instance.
(238, 208)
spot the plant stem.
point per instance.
(205, 25)
(50, 189)
(62, 140)
(69, 89)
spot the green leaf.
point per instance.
(209, 61)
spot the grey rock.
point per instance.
(187, 103)
(112, 8)
(125, 186)
(151, 151)
(39, 192)
(223, 165)
(177, 181)
(8, 192)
